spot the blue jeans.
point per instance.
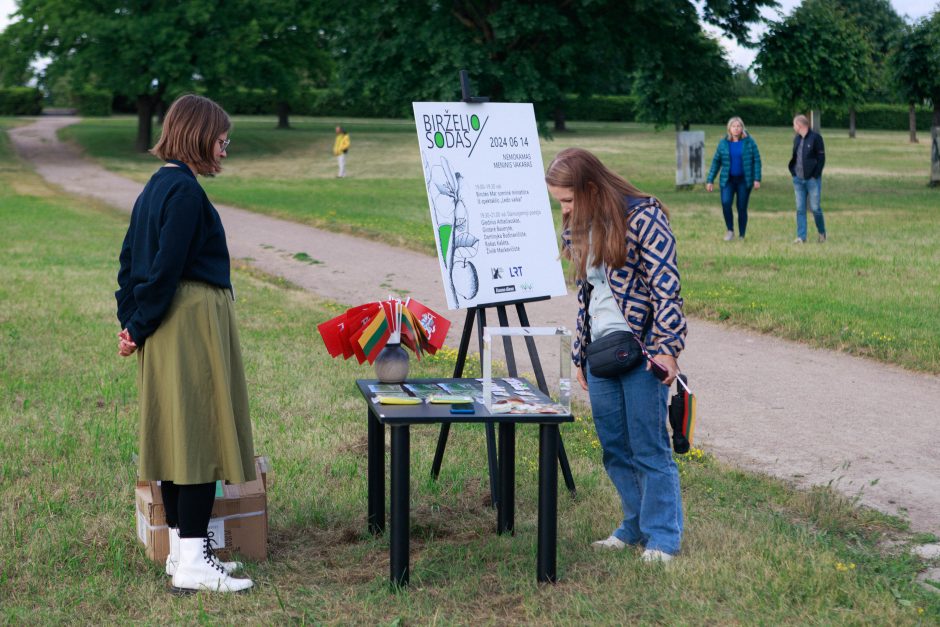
(630, 418)
(736, 186)
(811, 188)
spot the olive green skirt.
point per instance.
(194, 423)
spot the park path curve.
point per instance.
(806, 415)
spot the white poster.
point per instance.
(690, 157)
(492, 220)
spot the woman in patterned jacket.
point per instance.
(623, 257)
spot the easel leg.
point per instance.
(492, 462)
(458, 371)
(540, 379)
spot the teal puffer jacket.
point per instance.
(722, 161)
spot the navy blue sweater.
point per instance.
(175, 234)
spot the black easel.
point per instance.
(507, 446)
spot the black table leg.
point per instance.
(492, 463)
(400, 528)
(548, 503)
(376, 475)
(506, 509)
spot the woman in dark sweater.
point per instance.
(175, 304)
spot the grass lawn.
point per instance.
(755, 551)
(871, 290)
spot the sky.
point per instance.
(737, 55)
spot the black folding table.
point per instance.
(401, 417)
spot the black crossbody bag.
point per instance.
(614, 354)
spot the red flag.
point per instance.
(332, 333)
(435, 325)
(359, 316)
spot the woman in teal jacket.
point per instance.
(738, 160)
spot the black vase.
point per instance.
(391, 364)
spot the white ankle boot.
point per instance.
(198, 569)
(173, 558)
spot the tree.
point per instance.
(281, 50)
(14, 57)
(396, 51)
(881, 25)
(690, 84)
(814, 59)
(151, 51)
(915, 72)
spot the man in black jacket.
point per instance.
(806, 166)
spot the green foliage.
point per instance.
(151, 52)
(281, 51)
(20, 101)
(815, 59)
(15, 56)
(881, 26)
(601, 108)
(684, 85)
(916, 63)
(396, 52)
(93, 102)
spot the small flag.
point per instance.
(435, 325)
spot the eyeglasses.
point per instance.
(224, 143)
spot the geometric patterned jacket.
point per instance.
(647, 285)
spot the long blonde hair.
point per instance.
(597, 221)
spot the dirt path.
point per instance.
(806, 415)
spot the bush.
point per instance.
(20, 101)
(889, 117)
(601, 108)
(248, 101)
(759, 112)
(92, 102)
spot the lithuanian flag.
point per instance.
(373, 336)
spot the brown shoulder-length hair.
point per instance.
(597, 221)
(191, 127)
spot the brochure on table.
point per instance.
(492, 219)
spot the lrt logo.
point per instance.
(497, 273)
(515, 271)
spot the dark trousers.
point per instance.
(736, 186)
(188, 507)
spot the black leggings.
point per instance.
(188, 507)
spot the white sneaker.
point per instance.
(612, 543)
(198, 570)
(729, 236)
(654, 555)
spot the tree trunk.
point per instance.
(935, 154)
(851, 122)
(815, 120)
(283, 111)
(912, 122)
(145, 104)
(559, 115)
(160, 110)
(935, 146)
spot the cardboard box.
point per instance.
(239, 522)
